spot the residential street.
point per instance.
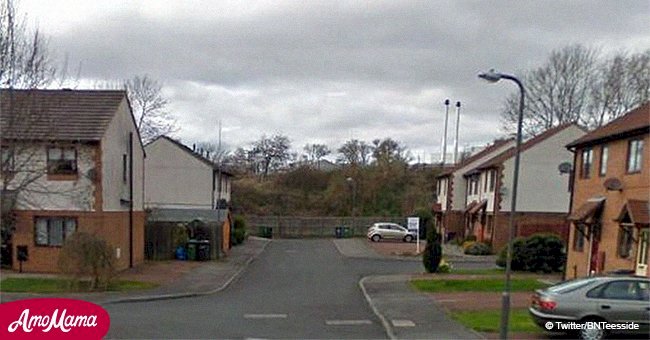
(294, 289)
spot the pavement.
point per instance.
(408, 314)
(193, 278)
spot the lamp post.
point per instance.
(353, 185)
(493, 77)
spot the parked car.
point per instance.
(385, 230)
(581, 302)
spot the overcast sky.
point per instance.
(328, 71)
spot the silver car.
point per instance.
(394, 231)
(585, 305)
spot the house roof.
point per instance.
(504, 156)
(66, 115)
(193, 154)
(637, 210)
(489, 149)
(587, 210)
(633, 122)
(478, 207)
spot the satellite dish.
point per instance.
(565, 168)
(613, 184)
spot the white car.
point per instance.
(386, 230)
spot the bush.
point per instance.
(239, 232)
(478, 248)
(537, 253)
(87, 256)
(445, 267)
(467, 244)
(470, 238)
(432, 255)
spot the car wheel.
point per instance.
(375, 238)
(408, 238)
(591, 333)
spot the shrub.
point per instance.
(467, 244)
(432, 253)
(478, 248)
(239, 232)
(445, 267)
(471, 238)
(537, 253)
(87, 256)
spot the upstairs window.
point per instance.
(61, 161)
(635, 155)
(604, 156)
(8, 164)
(493, 179)
(587, 160)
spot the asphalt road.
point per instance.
(295, 289)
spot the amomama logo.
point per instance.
(53, 318)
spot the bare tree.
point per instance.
(355, 152)
(556, 92)
(150, 108)
(24, 58)
(577, 84)
(389, 151)
(272, 151)
(315, 152)
(213, 152)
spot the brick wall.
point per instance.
(528, 223)
(635, 186)
(111, 226)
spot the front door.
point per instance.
(642, 253)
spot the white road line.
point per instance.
(265, 316)
(347, 322)
(403, 323)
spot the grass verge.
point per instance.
(48, 285)
(489, 321)
(482, 285)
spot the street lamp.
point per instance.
(353, 186)
(494, 77)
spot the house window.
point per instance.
(579, 238)
(587, 159)
(625, 241)
(61, 161)
(604, 156)
(8, 162)
(493, 179)
(52, 231)
(634, 155)
(486, 179)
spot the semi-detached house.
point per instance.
(72, 160)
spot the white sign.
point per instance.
(413, 224)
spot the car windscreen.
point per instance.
(571, 285)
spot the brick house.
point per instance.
(609, 215)
(450, 206)
(543, 193)
(72, 160)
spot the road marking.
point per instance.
(347, 322)
(403, 323)
(265, 316)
